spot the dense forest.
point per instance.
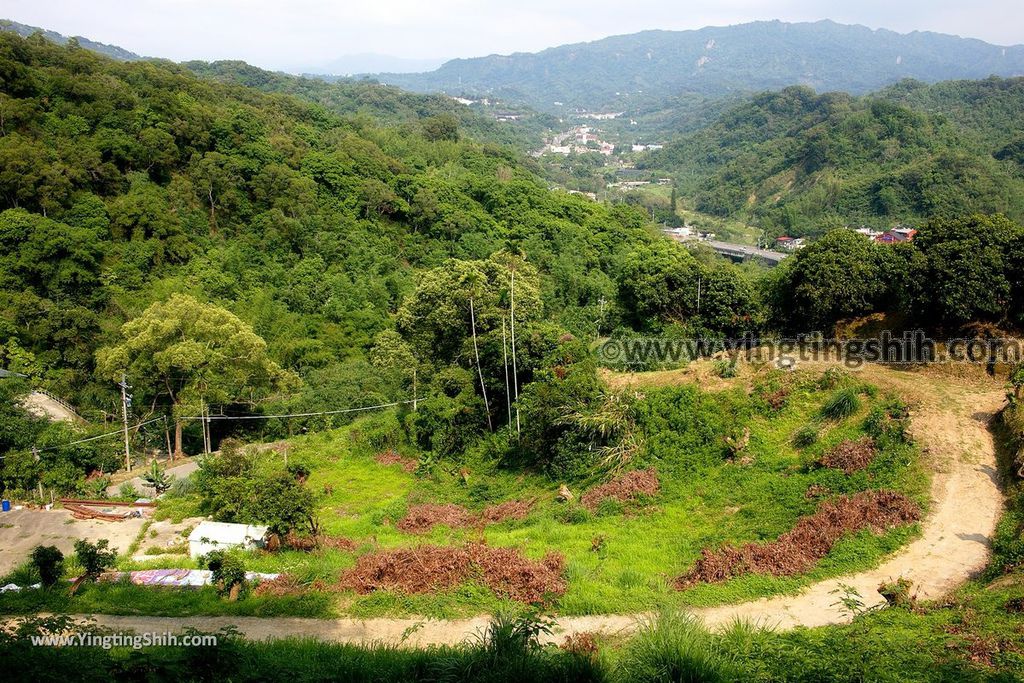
(308, 236)
(235, 251)
(382, 103)
(800, 163)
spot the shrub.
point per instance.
(843, 404)
(157, 478)
(726, 368)
(96, 487)
(228, 572)
(832, 378)
(128, 492)
(897, 593)
(95, 558)
(889, 422)
(49, 562)
(677, 647)
(806, 436)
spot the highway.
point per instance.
(739, 252)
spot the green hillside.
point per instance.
(383, 103)
(989, 112)
(800, 162)
(124, 182)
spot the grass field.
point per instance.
(618, 559)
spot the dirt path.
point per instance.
(950, 416)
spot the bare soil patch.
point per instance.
(431, 568)
(799, 549)
(625, 488)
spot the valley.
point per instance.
(517, 369)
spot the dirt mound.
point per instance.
(431, 568)
(624, 488)
(393, 458)
(422, 518)
(799, 549)
(510, 509)
(851, 455)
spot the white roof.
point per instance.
(226, 533)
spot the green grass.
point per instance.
(705, 501)
(973, 635)
(122, 597)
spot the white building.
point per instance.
(210, 536)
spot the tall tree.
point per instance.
(193, 354)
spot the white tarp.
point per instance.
(210, 536)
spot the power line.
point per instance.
(223, 417)
(100, 436)
(268, 417)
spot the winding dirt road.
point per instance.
(950, 417)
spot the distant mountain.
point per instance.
(639, 69)
(368, 63)
(102, 48)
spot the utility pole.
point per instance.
(515, 366)
(480, 372)
(508, 389)
(126, 401)
(167, 435)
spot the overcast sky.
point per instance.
(300, 34)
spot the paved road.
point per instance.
(41, 405)
(738, 251)
(180, 471)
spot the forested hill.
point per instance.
(112, 51)
(382, 103)
(800, 162)
(122, 183)
(989, 112)
(634, 70)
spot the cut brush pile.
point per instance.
(799, 549)
(430, 568)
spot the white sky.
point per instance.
(283, 34)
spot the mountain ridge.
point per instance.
(630, 70)
(112, 51)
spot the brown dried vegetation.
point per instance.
(431, 568)
(624, 488)
(284, 585)
(293, 541)
(799, 549)
(851, 455)
(510, 509)
(422, 518)
(393, 458)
